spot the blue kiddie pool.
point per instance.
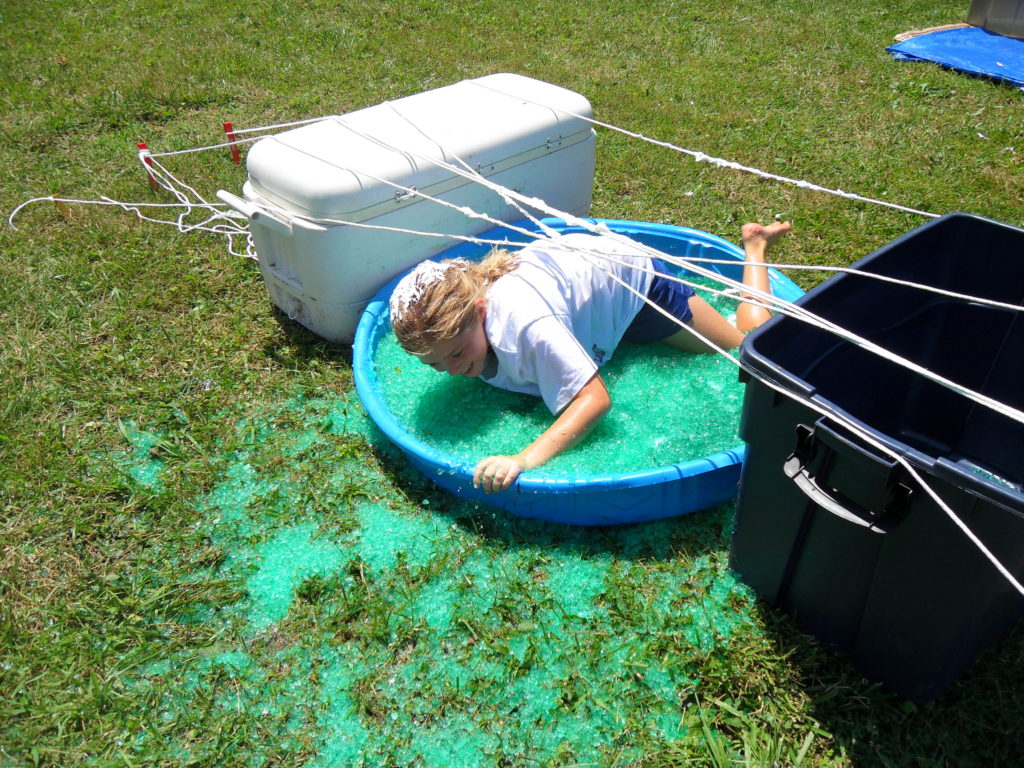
(607, 499)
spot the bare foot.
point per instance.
(762, 237)
(757, 239)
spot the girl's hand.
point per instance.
(496, 473)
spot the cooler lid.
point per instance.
(337, 168)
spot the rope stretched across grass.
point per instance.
(523, 203)
(229, 224)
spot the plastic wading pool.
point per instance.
(608, 499)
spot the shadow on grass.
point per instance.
(975, 722)
(688, 535)
(301, 345)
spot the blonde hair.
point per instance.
(436, 301)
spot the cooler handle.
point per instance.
(796, 469)
(255, 214)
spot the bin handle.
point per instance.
(796, 470)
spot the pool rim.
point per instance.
(364, 373)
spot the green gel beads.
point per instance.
(667, 407)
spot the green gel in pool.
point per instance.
(667, 407)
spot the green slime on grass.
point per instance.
(286, 560)
(440, 634)
(386, 536)
(138, 462)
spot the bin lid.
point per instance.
(339, 167)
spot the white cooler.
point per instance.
(301, 181)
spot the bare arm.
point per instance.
(496, 473)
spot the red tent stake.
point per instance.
(230, 131)
(149, 163)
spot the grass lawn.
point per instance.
(210, 557)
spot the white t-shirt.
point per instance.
(558, 315)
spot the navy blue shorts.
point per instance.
(649, 324)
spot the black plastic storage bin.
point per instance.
(837, 533)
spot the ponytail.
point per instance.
(435, 302)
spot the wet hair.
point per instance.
(436, 301)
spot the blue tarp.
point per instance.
(968, 49)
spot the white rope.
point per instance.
(241, 132)
(230, 232)
(230, 227)
(227, 222)
(507, 199)
(855, 428)
(966, 297)
(194, 150)
(801, 314)
(701, 157)
(104, 201)
(809, 317)
(404, 231)
(730, 293)
(278, 126)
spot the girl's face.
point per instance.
(465, 354)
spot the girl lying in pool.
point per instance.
(542, 320)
